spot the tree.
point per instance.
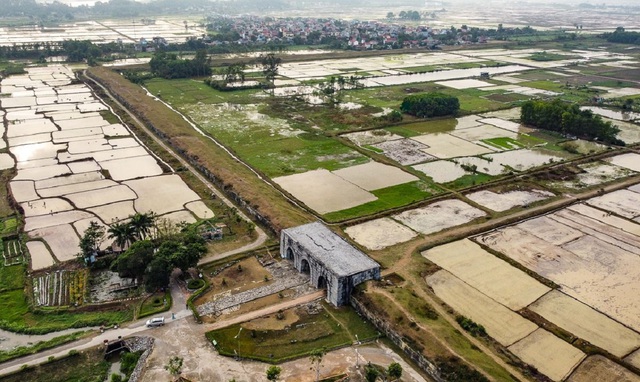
(316, 361)
(390, 16)
(123, 234)
(141, 224)
(270, 64)
(157, 274)
(371, 373)
(174, 366)
(234, 72)
(394, 370)
(90, 241)
(134, 261)
(273, 373)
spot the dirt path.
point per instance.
(262, 236)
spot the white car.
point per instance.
(158, 321)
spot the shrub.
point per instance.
(470, 326)
(195, 284)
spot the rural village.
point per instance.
(292, 191)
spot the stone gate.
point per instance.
(331, 262)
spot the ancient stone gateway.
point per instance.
(331, 262)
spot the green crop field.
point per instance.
(388, 198)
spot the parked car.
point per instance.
(158, 321)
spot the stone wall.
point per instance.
(137, 344)
(384, 327)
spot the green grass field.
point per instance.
(388, 198)
(190, 91)
(330, 328)
(504, 143)
(11, 278)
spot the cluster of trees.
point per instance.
(405, 15)
(568, 119)
(624, 37)
(235, 73)
(430, 105)
(169, 65)
(81, 50)
(153, 248)
(332, 91)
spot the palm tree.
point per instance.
(123, 234)
(141, 224)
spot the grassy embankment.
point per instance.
(181, 136)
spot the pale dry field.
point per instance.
(44, 221)
(550, 355)
(131, 168)
(507, 200)
(76, 187)
(62, 239)
(597, 368)
(624, 203)
(464, 84)
(501, 323)
(45, 206)
(438, 216)
(161, 194)
(490, 275)
(629, 160)
(23, 191)
(613, 221)
(324, 191)
(634, 358)
(445, 146)
(441, 171)
(374, 175)
(199, 209)
(40, 256)
(587, 323)
(6, 161)
(478, 133)
(379, 233)
(103, 196)
(114, 212)
(502, 123)
(591, 270)
(181, 216)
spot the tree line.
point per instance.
(169, 65)
(429, 105)
(569, 120)
(622, 36)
